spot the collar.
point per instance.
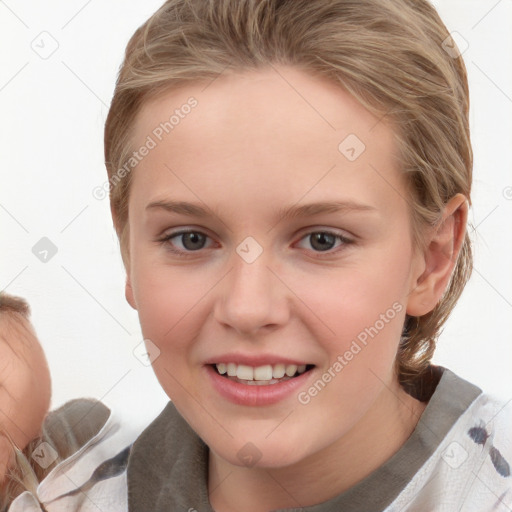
(168, 464)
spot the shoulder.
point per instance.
(471, 469)
(73, 424)
(489, 427)
(477, 456)
(484, 431)
(168, 465)
(85, 446)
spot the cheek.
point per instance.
(165, 303)
(7, 458)
(364, 310)
(351, 301)
(169, 301)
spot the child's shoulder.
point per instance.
(88, 447)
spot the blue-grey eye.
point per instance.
(185, 242)
(193, 241)
(320, 240)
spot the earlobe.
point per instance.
(439, 258)
(128, 292)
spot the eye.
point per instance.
(190, 241)
(323, 241)
(186, 242)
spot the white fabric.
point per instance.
(460, 476)
(75, 471)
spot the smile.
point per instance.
(260, 375)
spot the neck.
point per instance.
(323, 475)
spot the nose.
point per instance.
(252, 297)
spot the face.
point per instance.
(322, 290)
(25, 386)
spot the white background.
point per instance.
(53, 111)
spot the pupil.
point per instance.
(196, 240)
(322, 238)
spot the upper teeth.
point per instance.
(266, 372)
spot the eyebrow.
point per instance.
(287, 212)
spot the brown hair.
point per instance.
(12, 304)
(389, 54)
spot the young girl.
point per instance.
(290, 182)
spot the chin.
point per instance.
(259, 452)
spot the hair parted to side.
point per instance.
(388, 54)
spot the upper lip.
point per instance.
(254, 360)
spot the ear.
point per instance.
(128, 292)
(439, 258)
(128, 289)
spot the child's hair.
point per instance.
(10, 304)
(66, 429)
(389, 54)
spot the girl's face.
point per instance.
(270, 277)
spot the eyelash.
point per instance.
(184, 254)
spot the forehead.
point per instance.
(16, 337)
(277, 130)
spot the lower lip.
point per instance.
(243, 394)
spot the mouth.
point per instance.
(264, 375)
